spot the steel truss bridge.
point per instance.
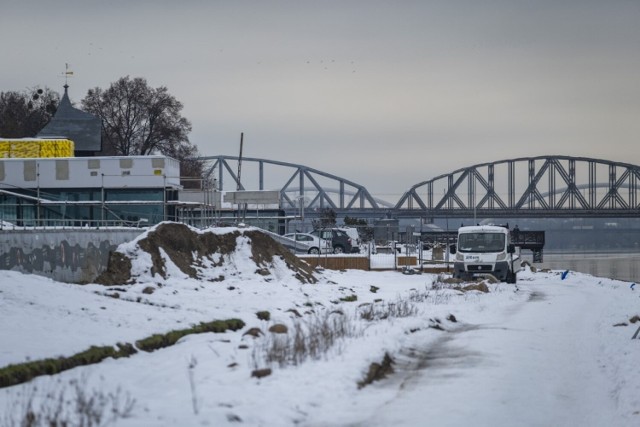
(526, 187)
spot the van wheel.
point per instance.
(338, 249)
(314, 251)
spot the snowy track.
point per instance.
(542, 363)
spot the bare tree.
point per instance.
(140, 120)
(24, 114)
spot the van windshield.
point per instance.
(481, 242)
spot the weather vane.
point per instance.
(67, 73)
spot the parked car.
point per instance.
(316, 244)
(340, 241)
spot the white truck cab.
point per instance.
(485, 249)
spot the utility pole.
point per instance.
(242, 207)
(240, 162)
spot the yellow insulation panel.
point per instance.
(5, 149)
(47, 149)
(25, 149)
(34, 148)
(56, 148)
(66, 148)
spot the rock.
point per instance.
(278, 328)
(254, 332)
(482, 287)
(263, 272)
(378, 371)
(260, 373)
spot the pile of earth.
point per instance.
(193, 251)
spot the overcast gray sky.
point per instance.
(384, 93)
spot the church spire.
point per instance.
(83, 128)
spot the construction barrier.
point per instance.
(338, 262)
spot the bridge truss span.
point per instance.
(298, 184)
(549, 186)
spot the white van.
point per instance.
(485, 249)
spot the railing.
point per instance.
(66, 223)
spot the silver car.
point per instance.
(316, 244)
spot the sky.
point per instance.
(383, 93)
(552, 350)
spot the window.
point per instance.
(481, 242)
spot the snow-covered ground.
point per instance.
(544, 352)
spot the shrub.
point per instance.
(264, 315)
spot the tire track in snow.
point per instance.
(536, 367)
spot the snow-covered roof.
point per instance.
(483, 229)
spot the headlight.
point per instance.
(501, 257)
(459, 257)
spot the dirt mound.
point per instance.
(194, 252)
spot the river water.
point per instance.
(621, 266)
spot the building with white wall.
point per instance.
(88, 190)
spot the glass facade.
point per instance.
(122, 206)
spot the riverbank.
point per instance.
(616, 265)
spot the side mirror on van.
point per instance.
(453, 249)
(511, 248)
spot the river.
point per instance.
(621, 266)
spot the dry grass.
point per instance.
(381, 311)
(65, 405)
(308, 338)
(433, 296)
